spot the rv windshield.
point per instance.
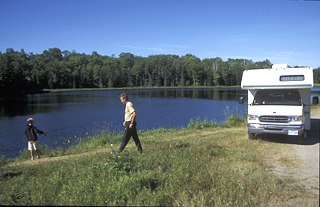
(277, 97)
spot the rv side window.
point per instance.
(277, 97)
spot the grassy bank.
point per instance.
(203, 165)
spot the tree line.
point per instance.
(23, 73)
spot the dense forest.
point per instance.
(23, 73)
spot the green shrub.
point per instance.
(201, 124)
(234, 121)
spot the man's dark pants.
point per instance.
(128, 133)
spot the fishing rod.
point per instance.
(64, 128)
(68, 127)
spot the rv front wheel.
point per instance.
(251, 136)
(303, 137)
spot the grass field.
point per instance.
(203, 165)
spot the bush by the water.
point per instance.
(232, 121)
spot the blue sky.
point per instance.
(283, 31)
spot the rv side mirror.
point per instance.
(241, 100)
(315, 100)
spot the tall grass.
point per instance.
(3, 160)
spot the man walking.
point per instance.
(129, 123)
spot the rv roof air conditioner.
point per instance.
(279, 66)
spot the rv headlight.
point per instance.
(297, 118)
(252, 117)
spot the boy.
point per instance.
(31, 133)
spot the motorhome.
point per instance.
(278, 100)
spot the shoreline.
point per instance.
(142, 87)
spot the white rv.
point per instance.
(278, 100)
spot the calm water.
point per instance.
(69, 116)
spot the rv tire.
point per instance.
(303, 137)
(251, 136)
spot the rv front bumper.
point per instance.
(294, 130)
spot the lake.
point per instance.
(70, 115)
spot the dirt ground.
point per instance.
(308, 172)
(299, 160)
